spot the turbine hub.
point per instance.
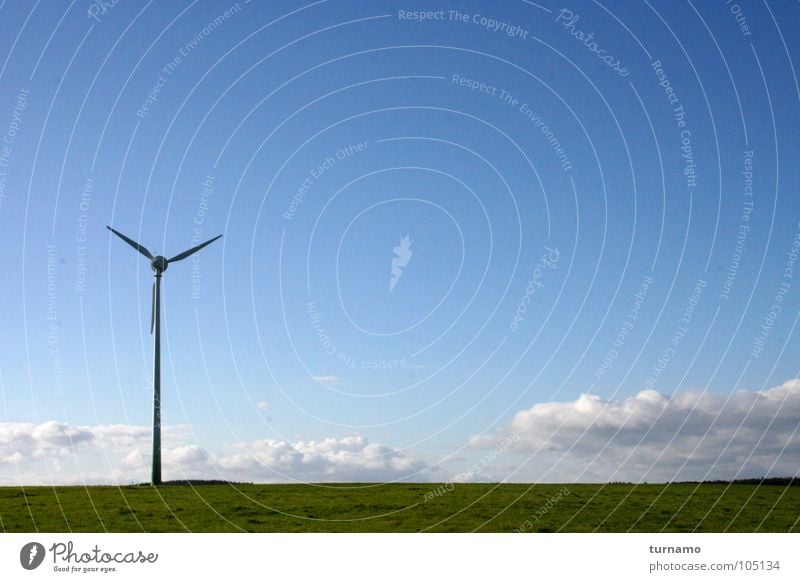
(159, 264)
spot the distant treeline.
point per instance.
(194, 483)
(783, 481)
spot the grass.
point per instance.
(402, 508)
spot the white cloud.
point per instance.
(347, 459)
(327, 379)
(55, 452)
(263, 405)
(652, 437)
(24, 441)
(60, 453)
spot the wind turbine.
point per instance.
(159, 264)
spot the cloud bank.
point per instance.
(59, 453)
(691, 435)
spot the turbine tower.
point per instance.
(159, 264)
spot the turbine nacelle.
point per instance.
(159, 264)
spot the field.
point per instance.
(402, 508)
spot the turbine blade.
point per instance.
(133, 243)
(192, 250)
(153, 310)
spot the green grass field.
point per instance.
(402, 508)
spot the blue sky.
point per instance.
(582, 227)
